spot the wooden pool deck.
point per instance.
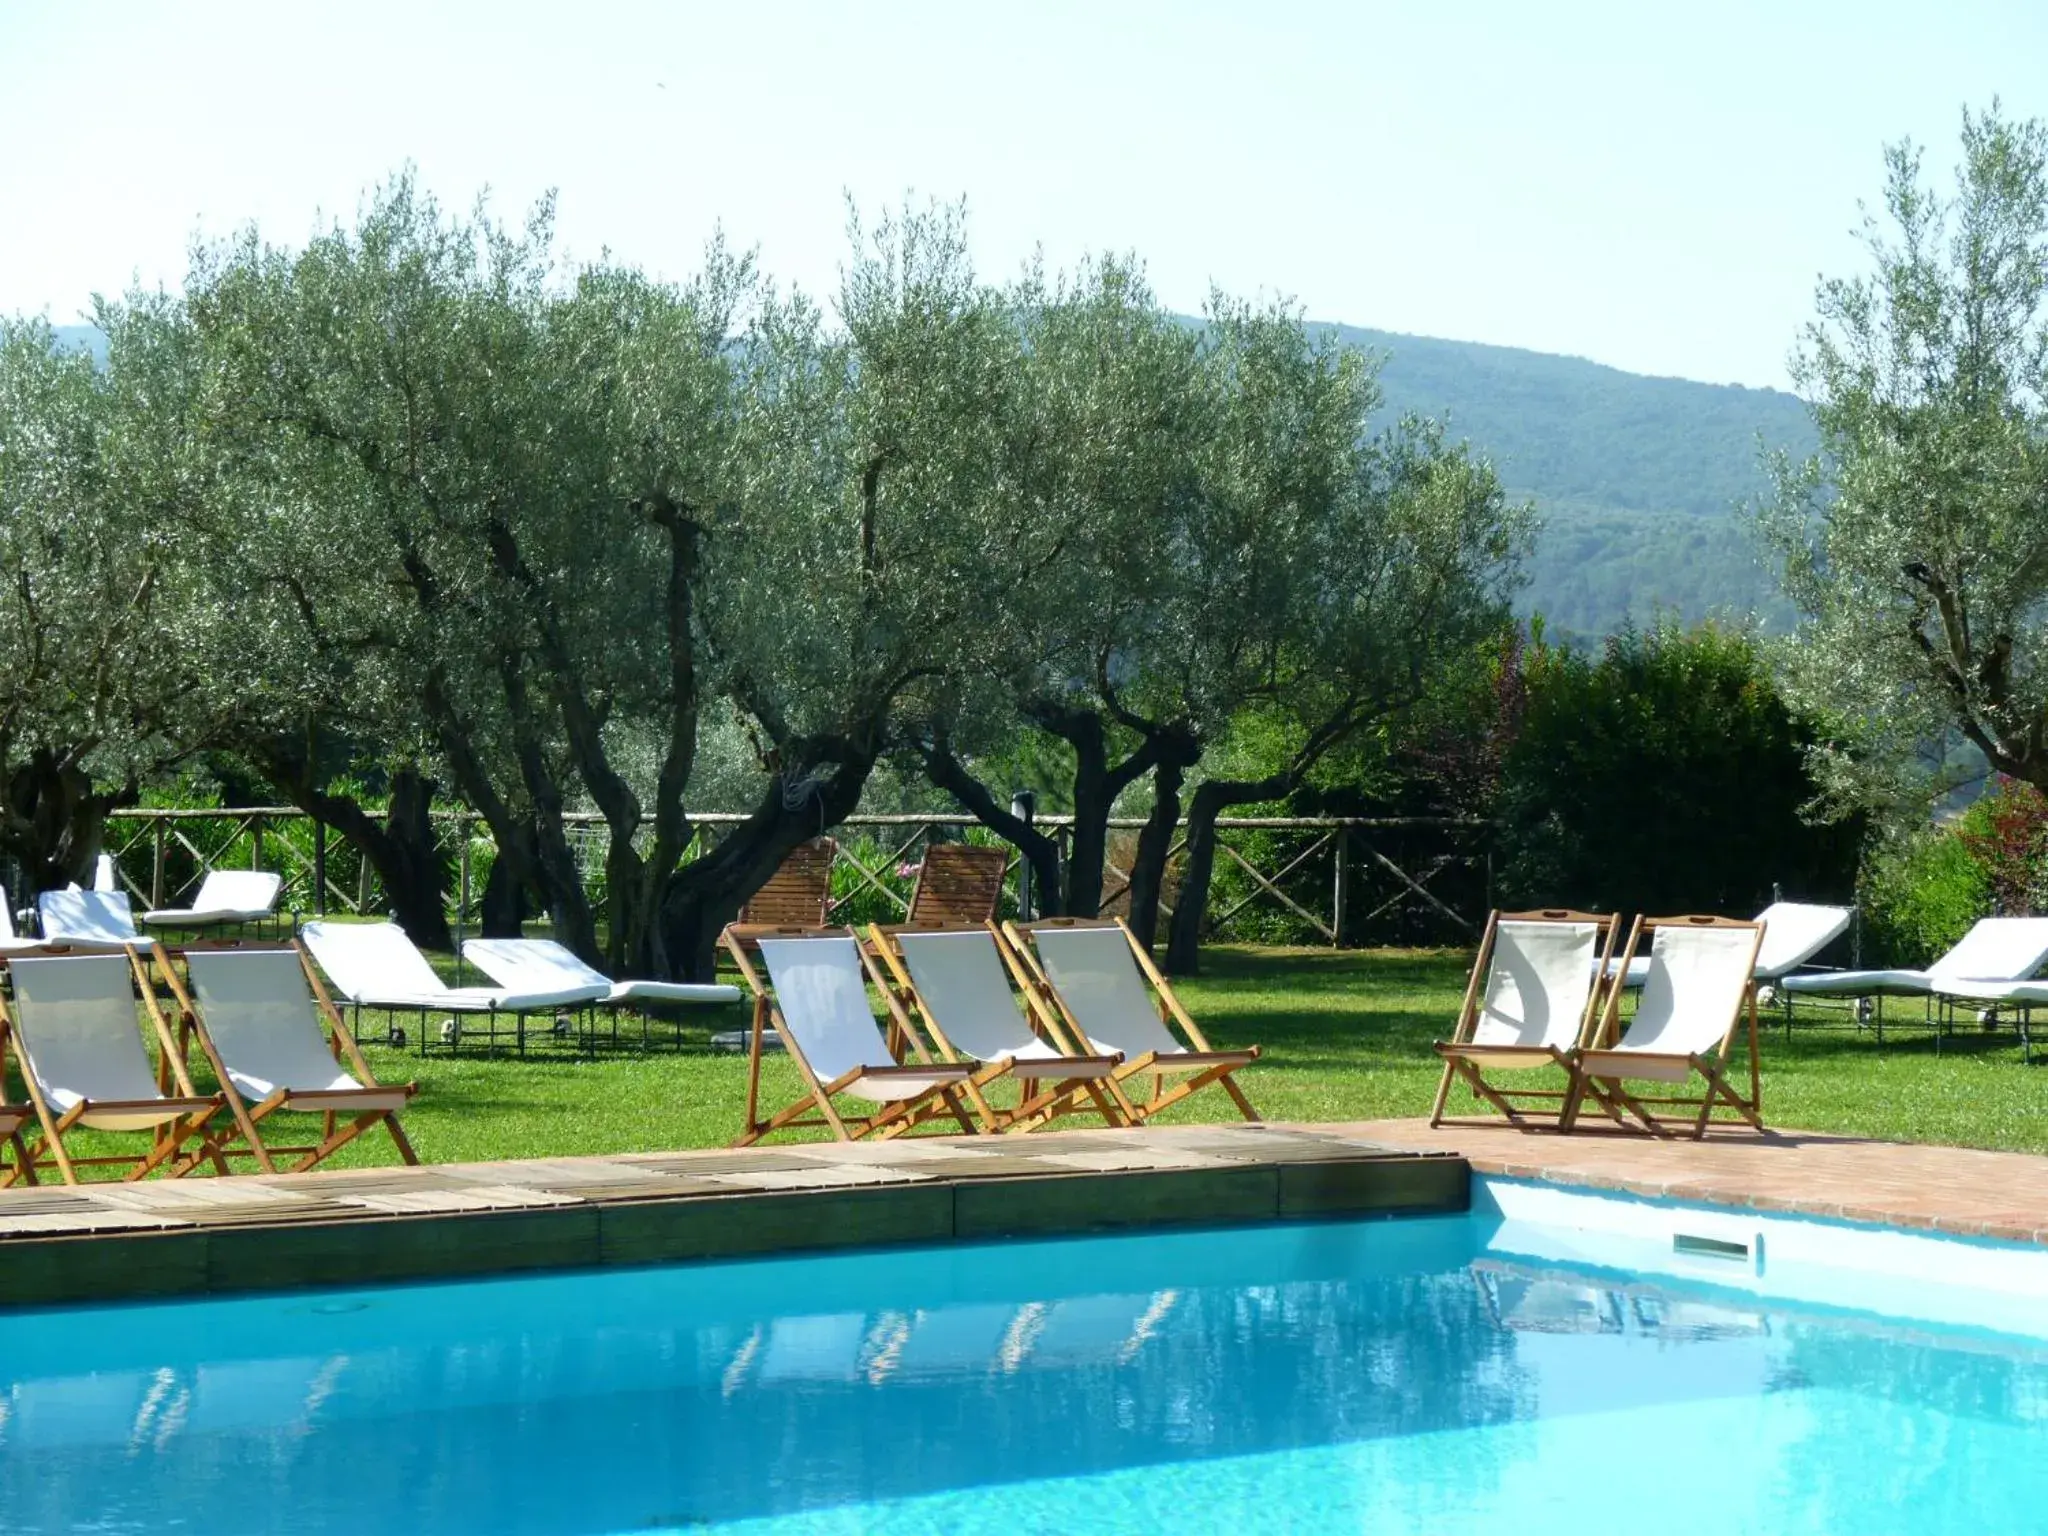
(206, 1235)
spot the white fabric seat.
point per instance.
(89, 920)
(822, 993)
(1998, 950)
(225, 896)
(82, 1053)
(277, 1046)
(264, 1024)
(966, 993)
(1537, 985)
(539, 965)
(374, 965)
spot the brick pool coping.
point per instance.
(205, 1235)
(1956, 1190)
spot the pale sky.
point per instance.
(1655, 186)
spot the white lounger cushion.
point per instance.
(376, 965)
(88, 919)
(1996, 949)
(226, 896)
(261, 1017)
(11, 942)
(541, 964)
(1096, 976)
(75, 1018)
(1537, 984)
(1698, 978)
(961, 978)
(1794, 932)
(823, 996)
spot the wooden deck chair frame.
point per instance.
(14, 1119)
(958, 883)
(1202, 1066)
(894, 1118)
(799, 893)
(1468, 1062)
(1605, 1088)
(331, 1104)
(1033, 1110)
(192, 1112)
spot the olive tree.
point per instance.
(1915, 544)
(96, 689)
(1103, 444)
(870, 548)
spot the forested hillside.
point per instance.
(1636, 477)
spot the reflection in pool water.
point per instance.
(1391, 1376)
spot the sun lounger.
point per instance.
(799, 893)
(1702, 982)
(73, 1031)
(958, 883)
(815, 998)
(99, 920)
(1529, 1004)
(1794, 932)
(12, 942)
(1110, 997)
(957, 979)
(277, 1044)
(539, 965)
(227, 898)
(374, 965)
(1997, 949)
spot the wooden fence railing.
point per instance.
(1333, 880)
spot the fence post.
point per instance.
(319, 867)
(255, 842)
(1340, 892)
(462, 865)
(1022, 805)
(156, 867)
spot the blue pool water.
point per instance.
(1380, 1377)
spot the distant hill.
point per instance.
(89, 337)
(1636, 478)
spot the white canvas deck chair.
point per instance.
(96, 920)
(277, 1044)
(1700, 988)
(956, 978)
(374, 965)
(1110, 997)
(74, 1035)
(227, 898)
(541, 965)
(1532, 997)
(814, 996)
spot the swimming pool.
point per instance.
(1547, 1362)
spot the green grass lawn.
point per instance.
(1346, 1037)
